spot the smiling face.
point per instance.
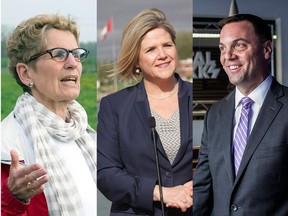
(56, 83)
(158, 55)
(243, 56)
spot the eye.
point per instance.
(59, 53)
(240, 46)
(221, 48)
(82, 55)
(76, 54)
(168, 45)
(150, 49)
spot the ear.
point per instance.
(267, 49)
(23, 71)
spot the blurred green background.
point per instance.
(10, 90)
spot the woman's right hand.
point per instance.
(26, 182)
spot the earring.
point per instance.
(31, 85)
(137, 71)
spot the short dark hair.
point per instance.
(260, 26)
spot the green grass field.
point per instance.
(10, 91)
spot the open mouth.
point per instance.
(233, 67)
(69, 79)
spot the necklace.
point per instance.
(173, 93)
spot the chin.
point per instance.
(71, 97)
(167, 74)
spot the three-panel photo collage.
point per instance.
(152, 108)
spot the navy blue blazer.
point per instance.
(126, 169)
(261, 185)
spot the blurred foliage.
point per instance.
(184, 45)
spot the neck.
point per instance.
(249, 87)
(59, 108)
(161, 90)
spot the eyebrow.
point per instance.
(237, 40)
(164, 43)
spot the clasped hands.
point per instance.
(26, 182)
(180, 196)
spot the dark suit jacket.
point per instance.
(125, 154)
(261, 186)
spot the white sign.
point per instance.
(204, 67)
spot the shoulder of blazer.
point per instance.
(226, 102)
(126, 94)
(184, 86)
(278, 90)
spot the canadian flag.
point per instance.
(107, 28)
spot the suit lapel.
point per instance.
(143, 112)
(142, 108)
(226, 127)
(270, 108)
(185, 111)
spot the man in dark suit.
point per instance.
(255, 183)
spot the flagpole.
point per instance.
(114, 57)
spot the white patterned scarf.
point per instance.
(42, 126)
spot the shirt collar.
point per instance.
(257, 95)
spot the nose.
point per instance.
(161, 53)
(71, 62)
(228, 53)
